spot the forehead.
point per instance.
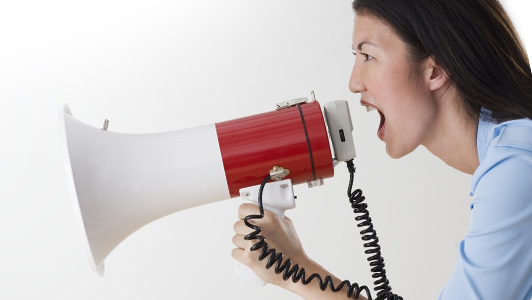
(368, 28)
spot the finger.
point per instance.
(240, 242)
(247, 209)
(246, 256)
(242, 256)
(241, 228)
(238, 254)
(242, 252)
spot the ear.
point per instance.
(435, 76)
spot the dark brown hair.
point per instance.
(475, 43)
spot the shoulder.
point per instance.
(513, 134)
(502, 184)
(508, 156)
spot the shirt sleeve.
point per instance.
(495, 257)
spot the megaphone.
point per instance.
(120, 182)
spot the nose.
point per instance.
(355, 82)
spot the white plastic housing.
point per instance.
(277, 196)
(340, 127)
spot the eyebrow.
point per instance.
(359, 46)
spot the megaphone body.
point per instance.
(121, 182)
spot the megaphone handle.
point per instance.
(279, 196)
(245, 271)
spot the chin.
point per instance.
(397, 152)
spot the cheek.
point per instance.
(410, 124)
(403, 99)
(410, 113)
(388, 83)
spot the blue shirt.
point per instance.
(495, 259)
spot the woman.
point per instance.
(454, 77)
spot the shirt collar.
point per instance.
(484, 127)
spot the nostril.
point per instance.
(354, 89)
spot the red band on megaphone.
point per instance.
(252, 146)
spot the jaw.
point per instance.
(401, 140)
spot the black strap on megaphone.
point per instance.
(308, 141)
(297, 273)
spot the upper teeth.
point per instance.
(369, 108)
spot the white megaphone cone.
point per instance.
(121, 182)
(125, 181)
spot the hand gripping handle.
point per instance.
(277, 197)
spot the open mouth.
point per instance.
(382, 124)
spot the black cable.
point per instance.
(369, 235)
(297, 273)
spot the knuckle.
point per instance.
(248, 258)
(274, 219)
(243, 210)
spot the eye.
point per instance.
(368, 57)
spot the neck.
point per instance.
(454, 136)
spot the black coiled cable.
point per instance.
(369, 235)
(297, 273)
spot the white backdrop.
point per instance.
(153, 66)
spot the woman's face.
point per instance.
(383, 76)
